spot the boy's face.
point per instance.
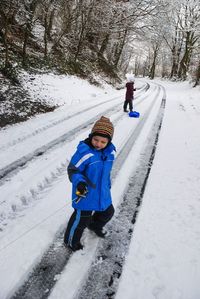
(99, 142)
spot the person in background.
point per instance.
(89, 171)
(129, 93)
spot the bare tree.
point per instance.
(197, 75)
(8, 10)
(190, 20)
(29, 20)
(46, 13)
(182, 34)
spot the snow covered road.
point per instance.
(33, 209)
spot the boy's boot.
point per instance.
(75, 247)
(99, 232)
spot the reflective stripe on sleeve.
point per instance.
(84, 158)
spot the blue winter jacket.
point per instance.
(92, 167)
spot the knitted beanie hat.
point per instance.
(103, 127)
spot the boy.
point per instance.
(129, 94)
(89, 171)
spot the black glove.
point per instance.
(81, 188)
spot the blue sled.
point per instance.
(134, 114)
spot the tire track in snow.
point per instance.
(13, 167)
(106, 269)
(53, 124)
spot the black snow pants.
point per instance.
(79, 220)
(130, 103)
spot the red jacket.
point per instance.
(129, 90)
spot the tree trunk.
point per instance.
(85, 20)
(26, 36)
(79, 44)
(45, 34)
(145, 68)
(153, 66)
(185, 61)
(176, 51)
(119, 51)
(6, 44)
(50, 25)
(197, 79)
(104, 45)
(175, 62)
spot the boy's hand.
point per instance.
(81, 189)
